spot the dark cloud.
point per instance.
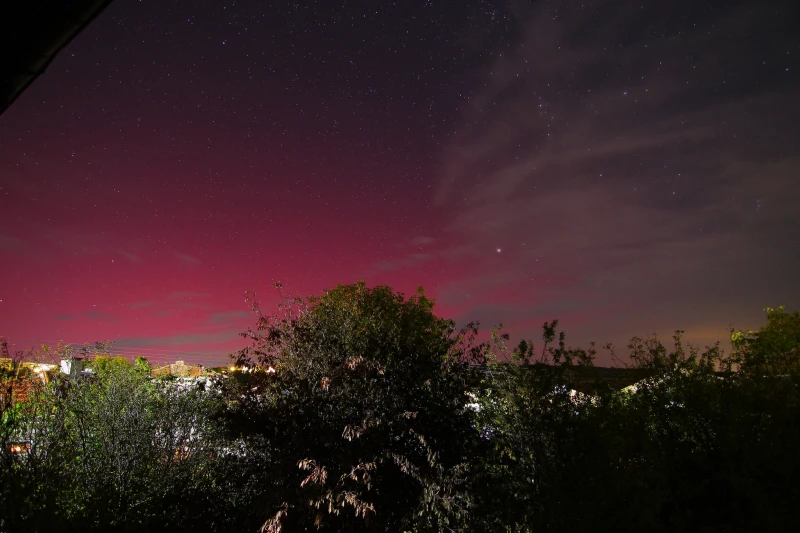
(422, 240)
(228, 317)
(98, 316)
(183, 295)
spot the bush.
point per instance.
(362, 410)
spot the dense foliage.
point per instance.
(115, 450)
(687, 448)
(365, 423)
(363, 410)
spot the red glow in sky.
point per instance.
(520, 167)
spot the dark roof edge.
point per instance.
(46, 57)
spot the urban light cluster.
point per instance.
(269, 370)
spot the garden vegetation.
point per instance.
(381, 416)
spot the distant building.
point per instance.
(159, 371)
(37, 370)
(180, 369)
(72, 366)
(16, 389)
(6, 363)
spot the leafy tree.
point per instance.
(142, 365)
(116, 451)
(528, 414)
(688, 448)
(62, 350)
(105, 364)
(362, 410)
(773, 349)
(364, 422)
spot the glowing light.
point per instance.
(19, 448)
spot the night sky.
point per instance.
(626, 167)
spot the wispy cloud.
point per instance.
(422, 240)
(143, 304)
(187, 259)
(98, 316)
(174, 303)
(10, 243)
(183, 295)
(593, 171)
(407, 261)
(228, 317)
(130, 256)
(182, 339)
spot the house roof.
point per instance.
(614, 377)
